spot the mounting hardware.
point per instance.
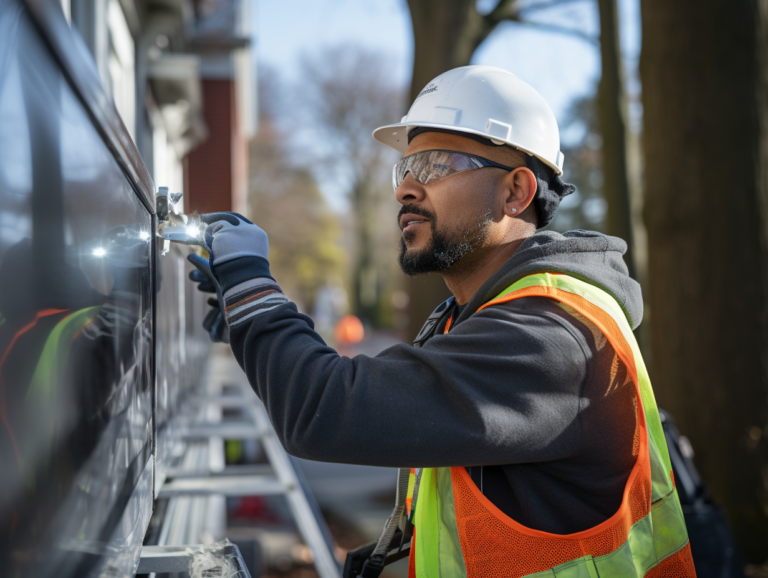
(173, 224)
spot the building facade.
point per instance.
(182, 77)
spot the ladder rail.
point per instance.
(297, 495)
(282, 476)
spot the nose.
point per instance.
(410, 191)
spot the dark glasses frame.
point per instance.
(484, 162)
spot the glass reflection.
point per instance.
(75, 330)
(182, 348)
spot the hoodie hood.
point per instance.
(585, 255)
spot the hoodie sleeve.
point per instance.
(502, 387)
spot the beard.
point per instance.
(446, 248)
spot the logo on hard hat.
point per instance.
(429, 89)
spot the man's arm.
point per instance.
(503, 387)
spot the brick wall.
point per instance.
(212, 171)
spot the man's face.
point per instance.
(451, 220)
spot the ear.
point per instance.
(521, 188)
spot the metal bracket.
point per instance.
(163, 559)
(166, 559)
(174, 225)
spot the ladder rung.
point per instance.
(230, 486)
(234, 470)
(226, 430)
(227, 401)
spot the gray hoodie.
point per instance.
(527, 395)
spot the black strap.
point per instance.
(360, 564)
(443, 312)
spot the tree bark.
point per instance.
(704, 76)
(445, 35)
(612, 113)
(365, 289)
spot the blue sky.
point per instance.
(562, 68)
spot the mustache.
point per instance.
(414, 210)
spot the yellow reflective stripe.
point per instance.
(657, 447)
(450, 555)
(669, 530)
(437, 548)
(651, 540)
(427, 523)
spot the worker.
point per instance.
(524, 418)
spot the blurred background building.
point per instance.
(182, 76)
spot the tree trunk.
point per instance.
(365, 294)
(612, 112)
(445, 36)
(706, 209)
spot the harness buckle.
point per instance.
(443, 311)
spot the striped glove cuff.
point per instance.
(252, 297)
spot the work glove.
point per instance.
(238, 268)
(202, 275)
(238, 249)
(215, 321)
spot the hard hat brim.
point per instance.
(396, 136)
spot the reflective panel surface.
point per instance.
(75, 329)
(182, 348)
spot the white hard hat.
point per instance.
(484, 101)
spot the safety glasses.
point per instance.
(436, 165)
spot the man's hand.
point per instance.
(215, 322)
(238, 249)
(202, 275)
(237, 270)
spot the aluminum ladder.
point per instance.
(280, 477)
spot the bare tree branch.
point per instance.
(504, 10)
(513, 11)
(544, 27)
(547, 5)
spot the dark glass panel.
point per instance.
(75, 332)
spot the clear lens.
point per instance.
(432, 166)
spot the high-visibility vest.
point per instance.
(459, 532)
